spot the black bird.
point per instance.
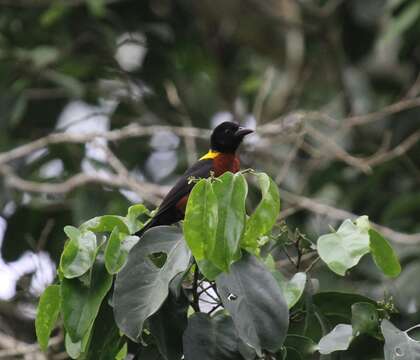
(221, 157)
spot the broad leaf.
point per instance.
(210, 338)
(117, 249)
(336, 306)
(398, 345)
(200, 222)
(47, 313)
(79, 253)
(344, 248)
(168, 324)
(208, 269)
(141, 286)
(364, 319)
(80, 303)
(231, 191)
(338, 339)
(383, 254)
(264, 217)
(292, 289)
(257, 306)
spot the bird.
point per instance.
(224, 143)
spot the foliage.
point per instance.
(253, 301)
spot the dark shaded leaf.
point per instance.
(141, 287)
(210, 338)
(168, 324)
(398, 345)
(258, 308)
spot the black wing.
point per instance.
(201, 169)
(168, 213)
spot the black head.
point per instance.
(227, 137)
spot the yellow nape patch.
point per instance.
(210, 155)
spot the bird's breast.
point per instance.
(225, 162)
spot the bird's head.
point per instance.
(227, 137)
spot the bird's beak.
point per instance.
(241, 132)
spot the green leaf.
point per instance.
(398, 345)
(253, 298)
(106, 223)
(80, 304)
(208, 269)
(211, 338)
(141, 287)
(131, 219)
(338, 339)
(230, 191)
(364, 319)
(383, 254)
(47, 313)
(79, 253)
(292, 289)
(343, 249)
(200, 224)
(105, 340)
(117, 249)
(264, 217)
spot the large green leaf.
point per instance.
(293, 288)
(79, 253)
(80, 303)
(230, 190)
(383, 254)
(344, 248)
(255, 301)
(141, 286)
(47, 313)
(105, 340)
(398, 345)
(117, 249)
(264, 217)
(210, 338)
(200, 222)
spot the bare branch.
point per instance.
(340, 214)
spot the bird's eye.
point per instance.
(227, 131)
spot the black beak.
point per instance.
(241, 132)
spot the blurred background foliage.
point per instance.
(332, 87)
